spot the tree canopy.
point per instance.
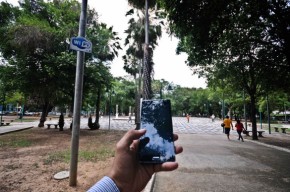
(35, 44)
(239, 44)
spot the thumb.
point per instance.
(129, 137)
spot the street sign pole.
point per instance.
(78, 100)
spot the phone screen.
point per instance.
(157, 145)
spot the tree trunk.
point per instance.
(253, 117)
(147, 75)
(45, 109)
(97, 124)
(147, 92)
(137, 107)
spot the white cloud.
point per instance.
(156, 142)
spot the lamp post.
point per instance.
(269, 126)
(245, 113)
(285, 112)
(261, 119)
(3, 100)
(161, 87)
(110, 109)
(222, 103)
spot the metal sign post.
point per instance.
(78, 100)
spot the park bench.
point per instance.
(4, 123)
(10, 120)
(49, 124)
(246, 132)
(283, 129)
(260, 133)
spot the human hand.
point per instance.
(127, 172)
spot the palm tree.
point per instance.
(136, 54)
(147, 67)
(147, 91)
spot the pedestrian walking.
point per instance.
(240, 127)
(212, 117)
(187, 117)
(227, 125)
(130, 118)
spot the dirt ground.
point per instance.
(278, 140)
(29, 159)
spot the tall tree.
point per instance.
(236, 41)
(147, 67)
(35, 43)
(135, 52)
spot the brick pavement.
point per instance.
(180, 126)
(203, 126)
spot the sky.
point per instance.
(168, 65)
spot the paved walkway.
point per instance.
(210, 162)
(17, 126)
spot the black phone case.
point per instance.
(157, 145)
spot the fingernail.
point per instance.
(142, 130)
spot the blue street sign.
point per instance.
(80, 44)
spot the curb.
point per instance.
(270, 146)
(150, 185)
(16, 130)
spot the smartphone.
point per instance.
(157, 145)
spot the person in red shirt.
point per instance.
(240, 127)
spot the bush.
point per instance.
(92, 125)
(61, 122)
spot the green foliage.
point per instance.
(233, 40)
(140, 4)
(16, 143)
(36, 67)
(136, 37)
(84, 155)
(62, 156)
(124, 94)
(244, 43)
